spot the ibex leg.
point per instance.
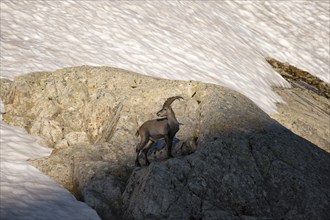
(137, 163)
(169, 146)
(146, 150)
(139, 147)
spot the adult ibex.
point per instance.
(153, 130)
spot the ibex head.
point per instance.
(167, 106)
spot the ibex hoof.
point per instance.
(137, 164)
(170, 156)
(147, 163)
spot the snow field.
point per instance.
(221, 42)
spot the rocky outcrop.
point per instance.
(300, 78)
(306, 110)
(306, 114)
(231, 160)
(264, 175)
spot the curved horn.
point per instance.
(169, 101)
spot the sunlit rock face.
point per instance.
(230, 158)
(306, 108)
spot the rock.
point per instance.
(7, 91)
(104, 194)
(306, 114)
(306, 107)
(231, 160)
(49, 130)
(300, 77)
(76, 138)
(102, 110)
(260, 176)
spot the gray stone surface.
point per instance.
(231, 160)
(307, 114)
(306, 110)
(268, 174)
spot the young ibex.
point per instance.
(153, 130)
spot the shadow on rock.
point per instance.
(267, 174)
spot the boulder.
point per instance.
(268, 174)
(306, 107)
(231, 160)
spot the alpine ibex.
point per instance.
(153, 130)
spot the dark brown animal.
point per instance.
(153, 130)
